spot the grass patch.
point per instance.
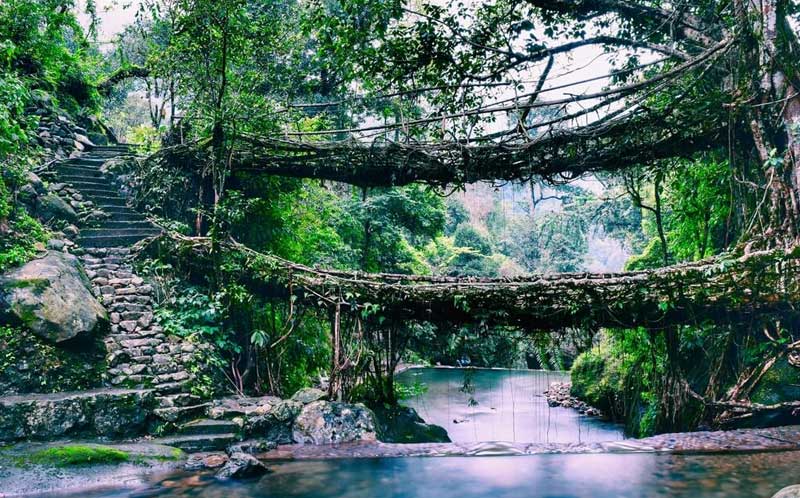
(65, 456)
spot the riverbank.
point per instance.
(77, 467)
(29, 469)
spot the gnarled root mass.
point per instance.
(725, 289)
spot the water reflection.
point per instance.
(500, 405)
(550, 476)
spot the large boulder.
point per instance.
(274, 424)
(51, 206)
(51, 297)
(402, 424)
(327, 422)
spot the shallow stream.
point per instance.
(501, 405)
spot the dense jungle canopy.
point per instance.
(317, 169)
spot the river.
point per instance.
(501, 405)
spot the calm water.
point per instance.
(551, 476)
(505, 406)
(500, 405)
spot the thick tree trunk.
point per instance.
(778, 147)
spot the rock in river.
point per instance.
(327, 422)
(242, 466)
(51, 296)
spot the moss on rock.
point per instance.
(29, 364)
(76, 454)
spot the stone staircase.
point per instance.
(140, 355)
(124, 226)
(203, 435)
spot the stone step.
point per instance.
(113, 200)
(208, 427)
(117, 146)
(119, 232)
(106, 154)
(199, 442)
(171, 387)
(79, 171)
(82, 180)
(113, 241)
(94, 162)
(179, 414)
(178, 400)
(128, 216)
(130, 224)
(116, 209)
(99, 190)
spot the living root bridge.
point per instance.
(721, 289)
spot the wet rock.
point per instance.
(252, 446)
(51, 206)
(35, 182)
(309, 395)
(401, 424)
(326, 422)
(788, 492)
(242, 466)
(55, 244)
(102, 412)
(205, 461)
(51, 297)
(274, 424)
(82, 139)
(71, 231)
(559, 394)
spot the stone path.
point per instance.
(139, 353)
(124, 226)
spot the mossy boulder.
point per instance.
(114, 413)
(51, 297)
(328, 422)
(401, 424)
(52, 207)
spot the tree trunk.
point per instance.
(778, 147)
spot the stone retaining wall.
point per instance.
(113, 413)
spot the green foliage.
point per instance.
(388, 225)
(23, 245)
(29, 364)
(146, 137)
(597, 378)
(697, 217)
(408, 391)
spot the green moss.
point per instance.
(65, 456)
(38, 284)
